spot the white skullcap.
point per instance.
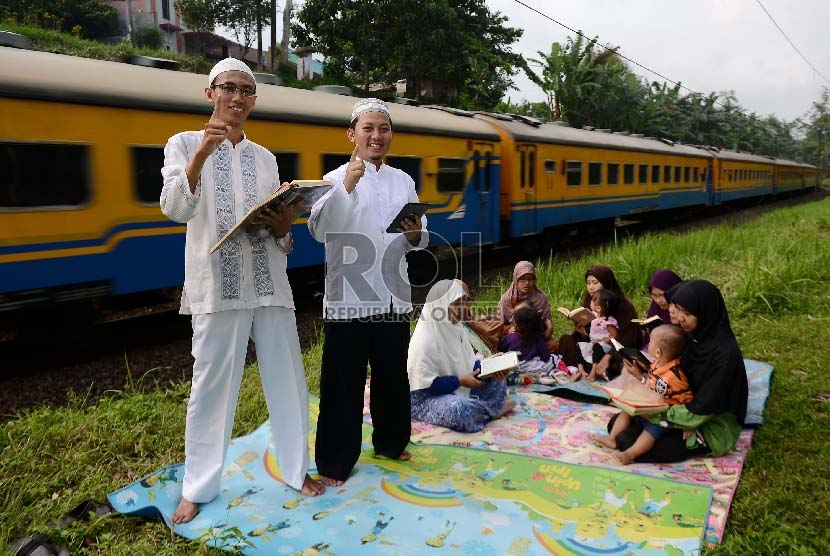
(365, 105)
(229, 64)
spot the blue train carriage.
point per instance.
(82, 143)
(742, 175)
(556, 175)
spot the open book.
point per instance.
(580, 315)
(636, 399)
(303, 192)
(497, 363)
(632, 354)
(650, 323)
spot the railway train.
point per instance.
(81, 147)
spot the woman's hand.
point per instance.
(602, 366)
(470, 380)
(687, 433)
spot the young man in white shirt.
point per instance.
(211, 178)
(367, 300)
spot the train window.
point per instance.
(288, 165)
(667, 174)
(677, 170)
(613, 173)
(686, 173)
(334, 161)
(147, 180)
(643, 173)
(531, 162)
(451, 174)
(628, 174)
(655, 174)
(409, 164)
(595, 173)
(550, 166)
(573, 168)
(696, 174)
(523, 166)
(42, 174)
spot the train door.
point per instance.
(528, 162)
(485, 186)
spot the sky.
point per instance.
(707, 45)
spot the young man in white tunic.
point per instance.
(367, 299)
(211, 178)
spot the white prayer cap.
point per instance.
(229, 64)
(365, 105)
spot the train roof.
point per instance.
(785, 162)
(563, 135)
(57, 77)
(724, 154)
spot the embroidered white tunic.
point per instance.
(248, 270)
(366, 270)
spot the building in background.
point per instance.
(135, 14)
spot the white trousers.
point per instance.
(220, 342)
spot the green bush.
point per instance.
(150, 37)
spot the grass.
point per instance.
(775, 274)
(66, 43)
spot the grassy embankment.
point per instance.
(775, 275)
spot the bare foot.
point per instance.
(508, 406)
(405, 456)
(328, 481)
(186, 511)
(623, 458)
(605, 440)
(312, 487)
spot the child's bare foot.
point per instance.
(605, 440)
(328, 481)
(186, 511)
(508, 406)
(312, 487)
(623, 458)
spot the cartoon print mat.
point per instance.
(558, 429)
(446, 501)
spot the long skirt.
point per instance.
(460, 413)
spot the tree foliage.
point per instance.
(461, 46)
(590, 85)
(815, 127)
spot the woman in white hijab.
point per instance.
(442, 367)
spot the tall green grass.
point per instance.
(774, 275)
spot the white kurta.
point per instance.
(366, 270)
(248, 271)
(241, 291)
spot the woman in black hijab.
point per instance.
(714, 364)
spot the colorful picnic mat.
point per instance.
(446, 501)
(559, 429)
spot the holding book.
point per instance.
(666, 379)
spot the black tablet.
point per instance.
(409, 210)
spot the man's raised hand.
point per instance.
(354, 171)
(215, 132)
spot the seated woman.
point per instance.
(662, 280)
(442, 367)
(524, 290)
(596, 278)
(714, 365)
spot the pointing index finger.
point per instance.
(354, 155)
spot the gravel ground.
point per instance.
(167, 362)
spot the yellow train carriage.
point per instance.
(84, 139)
(554, 174)
(741, 175)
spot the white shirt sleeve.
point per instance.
(332, 211)
(177, 202)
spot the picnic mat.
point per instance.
(446, 501)
(559, 429)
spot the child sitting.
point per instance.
(528, 339)
(667, 379)
(603, 327)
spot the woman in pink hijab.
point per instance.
(523, 290)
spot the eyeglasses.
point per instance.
(231, 89)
